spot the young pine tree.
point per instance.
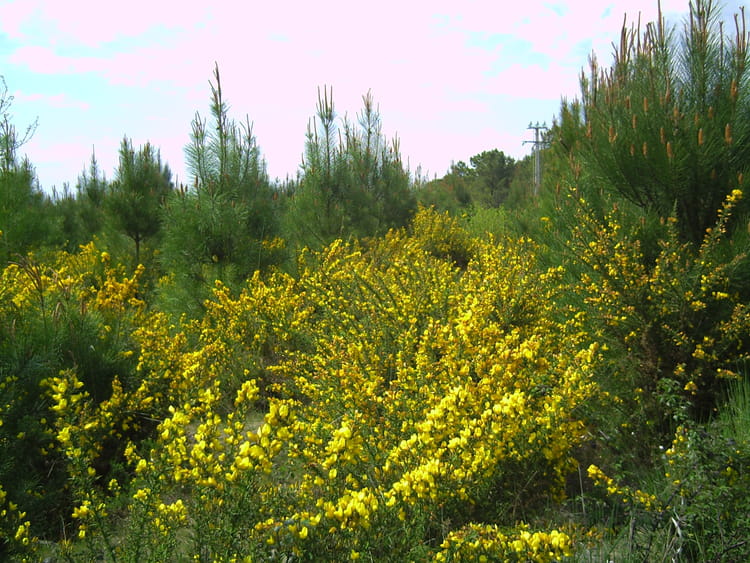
(91, 190)
(26, 215)
(142, 184)
(354, 182)
(82, 211)
(218, 229)
(666, 127)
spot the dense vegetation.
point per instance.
(359, 364)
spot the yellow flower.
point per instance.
(82, 511)
(142, 494)
(691, 386)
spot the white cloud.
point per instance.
(93, 23)
(447, 75)
(44, 60)
(58, 101)
(533, 82)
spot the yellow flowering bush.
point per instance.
(677, 323)
(64, 325)
(383, 403)
(402, 394)
(477, 542)
(389, 402)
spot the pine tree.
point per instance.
(666, 127)
(82, 211)
(224, 158)
(353, 182)
(494, 171)
(217, 228)
(142, 184)
(26, 218)
(91, 189)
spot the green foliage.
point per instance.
(643, 194)
(697, 507)
(71, 314)
(494, 172)
(224, 157)
(353, 183)
(66, 208)
(449, 193)
(735, 413)
(665, 127)
(82, 213)
(134, 201)
(486, 182)
(26, 219)
(225, 227)
(710, 480)
(203, 243)
(483, 221)
(91, 189)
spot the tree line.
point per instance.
(232, 219)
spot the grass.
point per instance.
(735, 416)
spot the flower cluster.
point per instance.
(627, 495)
(477, 542)
(383, 393)
(14, 527)
(675, 314)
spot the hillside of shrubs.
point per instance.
(361, 364)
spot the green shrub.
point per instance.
(72, 314)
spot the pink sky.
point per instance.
(451, 79)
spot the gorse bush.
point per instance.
(383, 404)
(77, 314)
(676, 328)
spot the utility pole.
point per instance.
(538, 142)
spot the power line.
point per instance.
(538, 143)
